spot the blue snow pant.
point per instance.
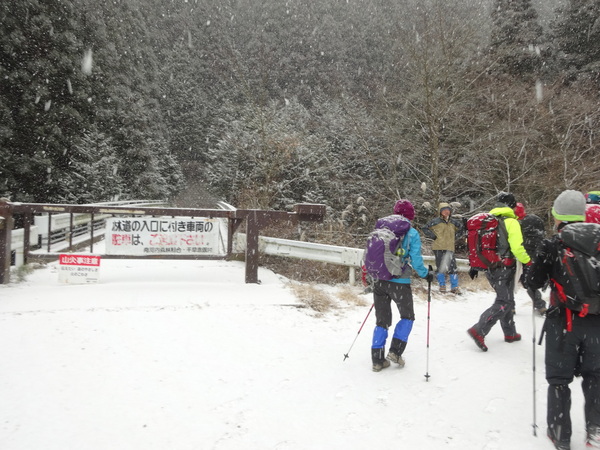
(503, 309)
(569, 354)
(384, 292)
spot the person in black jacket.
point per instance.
(534, 232)
(572, 341)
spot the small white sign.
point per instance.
(78, 269)
(145, 236)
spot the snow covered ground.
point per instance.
(184, 355)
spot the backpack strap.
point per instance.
(503, 244)
(563, 298)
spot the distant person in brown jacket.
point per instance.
(445, 230)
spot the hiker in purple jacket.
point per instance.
(397, 289)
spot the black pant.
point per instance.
(384, 292)
(503, 308)
(570, 354)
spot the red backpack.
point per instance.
(488, 242)
(592, 213)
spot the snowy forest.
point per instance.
(264, 104)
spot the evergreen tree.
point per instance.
(516, 39)
(94, 176)
(8, 170)
(71, 68)
(130, 109)
(576, 34)
(45, 92)
(196, 77)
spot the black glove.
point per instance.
(430, 274)
(473, 273)
(523, 278)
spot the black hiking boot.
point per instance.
(478, 338)
(592, 439)
(560, 445)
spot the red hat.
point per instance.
(520, 211)
(404, 208)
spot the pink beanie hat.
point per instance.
(404, 208)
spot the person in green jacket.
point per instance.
(502, 278)
(444, 230)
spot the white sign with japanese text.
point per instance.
(78, 269)
(145, 236)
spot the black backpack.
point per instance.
(579, 255)
(534, 231)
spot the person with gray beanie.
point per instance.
(572, 335)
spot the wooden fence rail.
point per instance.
(255, 221)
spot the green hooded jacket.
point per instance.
(513, 229)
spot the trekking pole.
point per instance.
(428, 317)
(533, 366)
(361, 327)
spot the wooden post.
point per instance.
(6, 226)
(49, 232)
(28, 220)
(252, 228)
(70, 232)
(92, 234)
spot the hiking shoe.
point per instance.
(479, 341)
(456, 291)
(443, 289)
(395, 358)
(593, 437)
(379, 366)
(514, 338)
(560, 445)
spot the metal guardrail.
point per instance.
(332, 254)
